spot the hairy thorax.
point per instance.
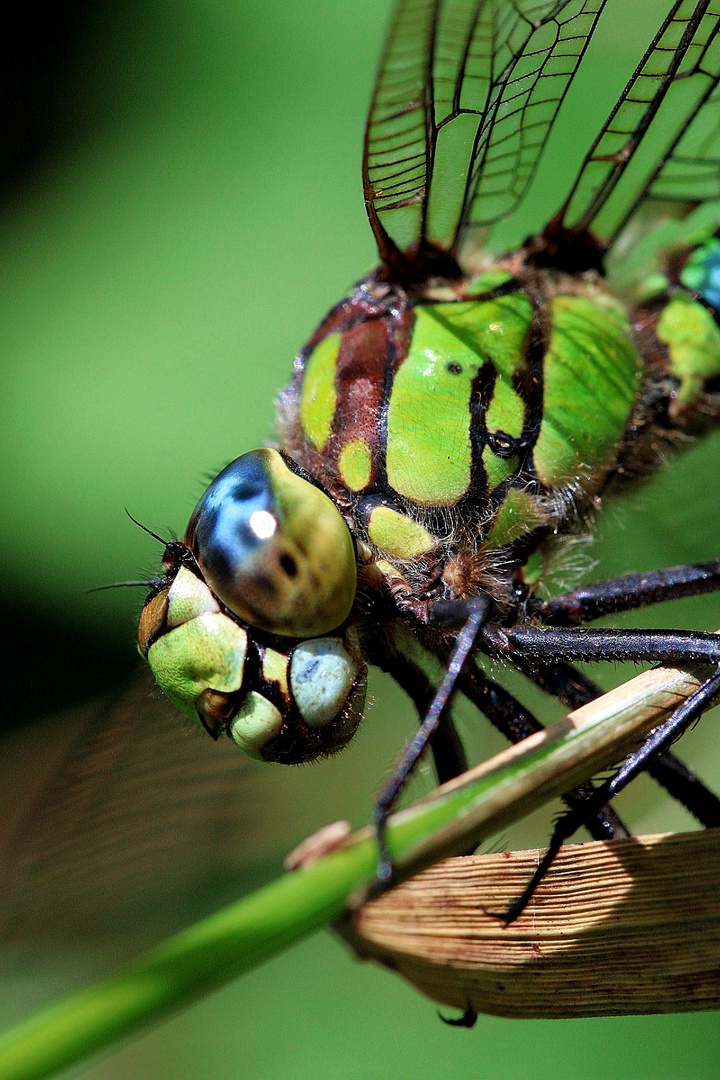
(463, 427)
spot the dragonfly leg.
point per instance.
(467, 1020)
(657, 742)
(508, 715)
(515, 722)
(446, 746)
(464, 644)
(526, 645)
(542, 654)
(574, 689)
(626, 593)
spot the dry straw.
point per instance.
(630, 926)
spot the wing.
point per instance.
(110, 810)
(662, 139)
(120, 823)
(463, 105)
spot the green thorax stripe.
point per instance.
(319, 392)
(592, 375)
(429, 448)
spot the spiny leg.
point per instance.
(446, 746)
(516, 723)
(610, 597)
(507, 714)
(523, 645)
(626, 593)
(581, 605)
(477, 609)
(574, 689)
(528, 646)
(657, 742)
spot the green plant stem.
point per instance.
(461, 813)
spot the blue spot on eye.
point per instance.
(702, 273)
(220, 535)
(711, 292)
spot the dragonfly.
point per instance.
(168, 806)
(459, 417)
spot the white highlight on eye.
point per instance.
(263, 524)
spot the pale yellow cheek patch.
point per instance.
(275, 667)
(257, 722)
(208, 652)
(355, 463)
(397, 535)
(188, 598)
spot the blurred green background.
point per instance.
(181, 203)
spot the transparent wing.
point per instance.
(463, 105)
(112, 810)
(120, 823)
(662, 139)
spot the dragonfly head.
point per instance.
(249, 631)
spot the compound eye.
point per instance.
(274, 548)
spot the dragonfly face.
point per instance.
(267, 560)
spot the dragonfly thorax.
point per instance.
(458, 428)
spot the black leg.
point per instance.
(467, 1020)
(626, 593)
(532, 649)
(464, 645)
(524, 645)
(506, 713)
(529, 647)
(657, 742)
(446, 746)
(575, 689)
(515, 722)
